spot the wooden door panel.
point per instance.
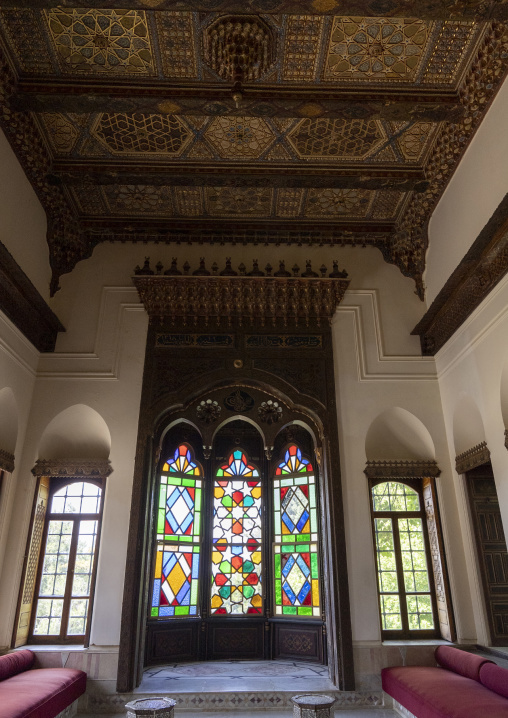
(492, 550)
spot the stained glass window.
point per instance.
(403, 577)
(63, 595)
(296, 564)
(176, 571)
(237, 539)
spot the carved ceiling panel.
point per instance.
(310, 49)
(237, 202)
(344, 129)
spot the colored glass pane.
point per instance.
(294, 462)
(236, 550)
(296, 533)
(175, 588)
(182, 462)
(237, 466)
(176, 572)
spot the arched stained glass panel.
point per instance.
(176, 576)
(296, 535)
(237, 539)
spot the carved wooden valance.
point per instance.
(6, 461)
(401, 469)
(241, 299)
(472, 458)
(73, 468)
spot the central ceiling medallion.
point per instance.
(239, 48)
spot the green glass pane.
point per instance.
(305, 611)
(155, 612)
(290, 610)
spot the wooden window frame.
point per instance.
(83, 639)
(405, 633)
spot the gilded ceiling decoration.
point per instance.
(139, 133)
(113, 41)
(193, 125)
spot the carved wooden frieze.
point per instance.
(73, 468)
(472, 458)
(241, 299)
(6, 461)
(401, 469)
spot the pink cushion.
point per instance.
(41, 693)
(13, 663)
(461, 662)
(495, 678)
(437, 693)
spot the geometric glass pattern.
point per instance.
(65, 568)
(176, 571)
(236, 539)
(296, 562)
(401, 558)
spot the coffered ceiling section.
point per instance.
(156, 122)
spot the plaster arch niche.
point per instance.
(468, 429)
(398, 435)
(8, 420)
(78, 432)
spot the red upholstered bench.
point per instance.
(37, 693)
(464, 686)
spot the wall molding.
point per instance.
(6, 461)
(470, 459)
(73, 468)
(401, 469)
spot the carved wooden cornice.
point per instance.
(401, 469)
(472, 458)
(6, 461)
(291, 300)
(484, 265)
(430, 10)
(73, 468)
(408, 244)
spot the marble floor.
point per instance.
(235, 676)
(354, 713)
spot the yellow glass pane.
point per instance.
(216, 557)
(216, 601)
(158, 565)
(315, 592)
(165, 467)
(256, 492)
(256, 600)
(218, 492)
(176, 579)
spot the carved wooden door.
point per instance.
(491, 548)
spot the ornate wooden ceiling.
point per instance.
(340, 130)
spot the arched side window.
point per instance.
(296, 564)
(405, 585)
(237, 538)
(175, 589)
(66, 576)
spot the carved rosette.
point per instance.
(73, 468)
(470, 459)
(401, 469)
(270, 412)
(208, 411)
(6, 461)
(238, 299)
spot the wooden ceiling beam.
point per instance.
(361, 176)
(88, 95)
(429, 10)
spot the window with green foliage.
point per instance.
(405, 585)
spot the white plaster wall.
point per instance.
(370, 381)
(471, 365)
(473, 194)
(22, 221)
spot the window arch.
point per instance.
(405, 584)
(236, 542)
(66, 576)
